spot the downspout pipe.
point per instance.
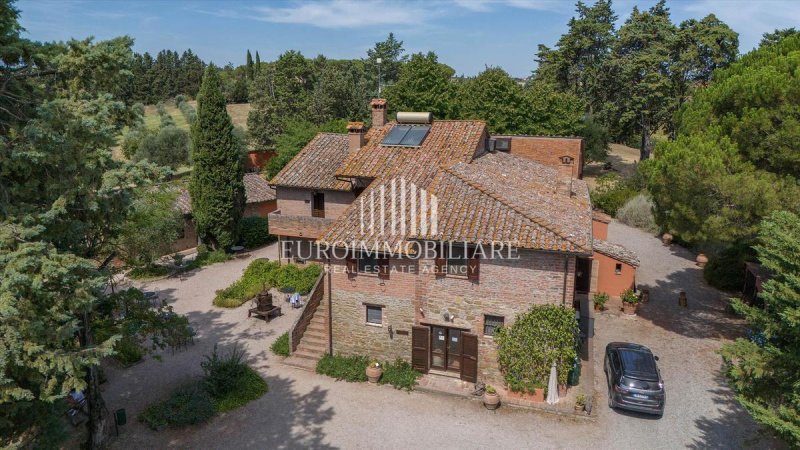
(564, 292)
(330, 308)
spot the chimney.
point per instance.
(356, 132)
(378, 106)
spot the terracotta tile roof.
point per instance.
(256, 190)
(505, 198)
(448, 142)
(616, 251)
(315, 166)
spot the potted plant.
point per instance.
(491, 400)
(600, 300)
(629, 302)
(666, 238)
(374, 371)
(580, 402)
(701, 260)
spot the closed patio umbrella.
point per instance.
(552, 386)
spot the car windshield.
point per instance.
(639, 364)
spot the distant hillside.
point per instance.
(238, 113)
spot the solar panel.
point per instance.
(406, 135)
(415, 136)
(396, 135)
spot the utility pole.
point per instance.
(379, 61)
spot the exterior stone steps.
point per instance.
(314, 347)
(307, 354)
(301, 363)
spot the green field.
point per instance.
(238, 113)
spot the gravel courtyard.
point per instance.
(305, 410)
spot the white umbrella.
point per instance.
(552, 386)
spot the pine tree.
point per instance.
(250, 71)
(216, 186)
(424, 85)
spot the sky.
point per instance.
(468, 35)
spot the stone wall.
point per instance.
(415, 295)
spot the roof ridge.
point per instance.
(483, 189)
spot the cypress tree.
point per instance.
(217, 186)
(258, 63)
(249, 65)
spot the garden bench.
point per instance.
(266, 314)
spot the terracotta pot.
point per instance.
(666, 238)
(562, 390)
(629, 308)
(491, 401)
(702, 259)
(597, 307)
(579, 408)
(374, 374)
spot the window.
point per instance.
(491, 324)
(618, 269)
(407, 135)
(375, 314)
(318, 205)
(367, 263)
(457, 260)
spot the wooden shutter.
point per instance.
(441, 261)
(474, 267)
(383, 268)
(420, 348)
(469, 357)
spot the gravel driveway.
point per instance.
(305, 410)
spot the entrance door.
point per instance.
(583, 275)
(439, 348)
(446, 348)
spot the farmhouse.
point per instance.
(435, 233)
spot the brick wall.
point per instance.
(297, 201)
(549, 150)
(505, 288)
(260, 209)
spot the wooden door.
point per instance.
(469, 357)
(420, 341)
(454, 350)
(439, 348)
(318, 205)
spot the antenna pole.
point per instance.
(379, 61)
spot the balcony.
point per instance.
(298, 226)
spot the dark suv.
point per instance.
(634, 381)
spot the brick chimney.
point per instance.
(378, 106)
(356, 132)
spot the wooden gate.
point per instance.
(469, 357)
(420, 350)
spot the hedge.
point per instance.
(261, 275)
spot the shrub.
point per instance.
(189, 113)
(725, 270)
(600, 299)
(253, 232)
(257, 277)
(223, 372)
(347, 368)
(612, 192)
(127, 351)
(526, 349)
(187, 405)
(399, 374)
(281, 345)
(206, 258)
(248, 387)
(167, 147)
(153, 271)
(638, 212)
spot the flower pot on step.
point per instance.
(629, 308)
(491, 401)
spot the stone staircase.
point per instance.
(314, 342)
